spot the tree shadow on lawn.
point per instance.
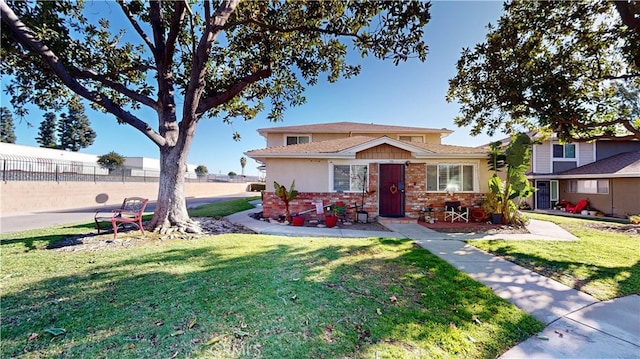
(65, 236)
(282, 297)
(627, 278)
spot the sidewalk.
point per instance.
(578, 325)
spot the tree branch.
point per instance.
(631, 19)
(158, 30)
(135, 24)
(222, 97)
(27, 38)
(88, 74)
(293, 29)
(628, 17)
(635, 133)
(620, 77)
(174, 29)
(213, 27)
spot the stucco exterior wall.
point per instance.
(278, 139)
(32, 196)
(623, 197)
(311, 175)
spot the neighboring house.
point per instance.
(605, 172)
(401, 169)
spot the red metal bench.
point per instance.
(130, 212)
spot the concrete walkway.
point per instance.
(578, 325)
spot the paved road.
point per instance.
(33, 220)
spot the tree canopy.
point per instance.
(47, 131)
(7, 127)
(111, 160)
(187, 61)
(202, 170)
(572, 67)
(74, 128)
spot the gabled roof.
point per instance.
(625, 164)
(352, 127)
(348, 147)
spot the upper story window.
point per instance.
(294, 140)
(567, 150)
(412, 138)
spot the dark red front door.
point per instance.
(391, 190)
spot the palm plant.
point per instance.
(286, 196)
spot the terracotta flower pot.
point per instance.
(298, 221)
(331, 221)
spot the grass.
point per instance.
(604, 264)
(239, 295)
(221, 209)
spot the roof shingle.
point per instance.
(342, 144)
(627, 163)
(350, 127)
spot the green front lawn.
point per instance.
(604, 264)
(239, 295)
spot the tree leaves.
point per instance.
(568, 66)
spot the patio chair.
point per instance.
(582, 204)
(456, 212)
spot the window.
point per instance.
(294, 140)
(412, 138)
(589, 186)
(554, 191)
(349, 178)
(564, 151)
(450, 177)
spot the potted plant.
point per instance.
(331, 219)
(298, 220)
(491, 206)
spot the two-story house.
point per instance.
(605, 172)
(394, 171)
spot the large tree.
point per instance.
(47, 131)
(223, 59)
(571, 66)
(74, 128)
(7, 127)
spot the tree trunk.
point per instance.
(171, 208)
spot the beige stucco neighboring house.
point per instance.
(401, 170)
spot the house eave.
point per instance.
(584, 176)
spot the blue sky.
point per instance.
(410, 94)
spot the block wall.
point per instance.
(32, 196)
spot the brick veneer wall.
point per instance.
(416, 197)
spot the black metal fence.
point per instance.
(42, 169)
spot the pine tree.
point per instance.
(74, 129)
(7, 129)
(47, 131)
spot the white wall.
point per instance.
(311, 175)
